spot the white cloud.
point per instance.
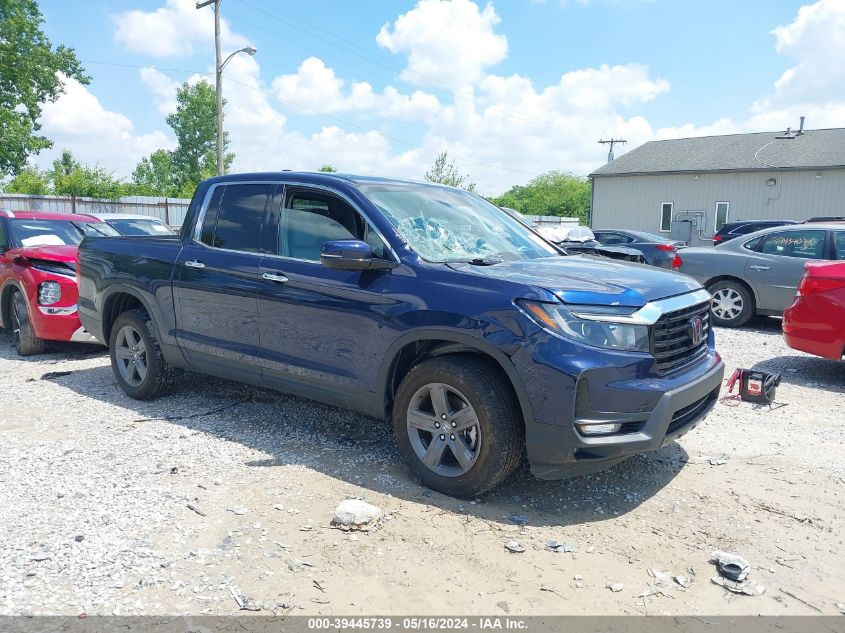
(162, 87)
(449, 42)
(79, 122)
(172, 30)
(501, 129)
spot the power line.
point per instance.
(315, 111)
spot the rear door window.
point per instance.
(839, 244)
(800, 244)
(234, 218)
(4, 241)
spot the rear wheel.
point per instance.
(23, 334)
(732, 304)
(458, 425)
(136, 358)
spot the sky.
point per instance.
(510, 88)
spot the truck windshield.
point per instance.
(450, 225)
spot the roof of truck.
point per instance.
(319, 177)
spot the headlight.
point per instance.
(592, 325)
(49, 292)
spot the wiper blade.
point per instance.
(489, 260)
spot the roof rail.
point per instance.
(826, 218)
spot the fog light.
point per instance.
(49, 292)
(598, 429)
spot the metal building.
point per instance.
(690, 187)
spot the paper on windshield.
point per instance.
(43, 240)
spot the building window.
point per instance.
(666, 217)
(722, 209)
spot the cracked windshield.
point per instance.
(447, 225)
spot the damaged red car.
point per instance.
(38, 290)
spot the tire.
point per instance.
(23, 334)
(482, 424)
(136, 359)
(733, 305)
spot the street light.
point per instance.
(218, 77)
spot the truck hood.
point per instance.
(590, 280)
(66, 254)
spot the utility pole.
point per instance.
(611, 142)
(218, 80)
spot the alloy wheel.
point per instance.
(131, 356)
(727, 304)
(444, 430)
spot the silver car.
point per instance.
(759, 272)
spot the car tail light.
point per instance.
(677, 262)
(810, 284)
(49, 292)
(666, 247)
(717, 239)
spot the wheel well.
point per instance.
(116, 305)
(417, 351)
(6, 304)
(741, 282)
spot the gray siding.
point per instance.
(633, 202)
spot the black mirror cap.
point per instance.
(351, 255)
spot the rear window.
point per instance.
(140, 227)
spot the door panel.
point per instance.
(319, 327)
(217, 306)
(216, 283)
(777, 268)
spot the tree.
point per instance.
(30, 180)
(552, 193)
(31, 71)
(70, 178)
(445, 172)
(155, 176)
(195, 126)
(325, 167)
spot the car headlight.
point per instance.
(49, 292)
(598, 326)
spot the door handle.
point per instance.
(194, 264)
(759, 267)
(278, 277)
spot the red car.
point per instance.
(38, 290)
(815, 322)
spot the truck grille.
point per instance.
(672, 340)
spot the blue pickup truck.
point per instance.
(424, 304)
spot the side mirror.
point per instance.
(351, 255)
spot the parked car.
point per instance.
(733, 230)
(657, 250)
(759, 273)
(38, 276)
(129, 224)
(579, 240)
(412, 301)
(815, 322)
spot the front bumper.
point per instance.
(557, 452)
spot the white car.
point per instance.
(130, 224)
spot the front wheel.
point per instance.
(23, 334)
(732, 304)
(458, 425)
(136, 358)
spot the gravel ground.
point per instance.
(220, 497)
